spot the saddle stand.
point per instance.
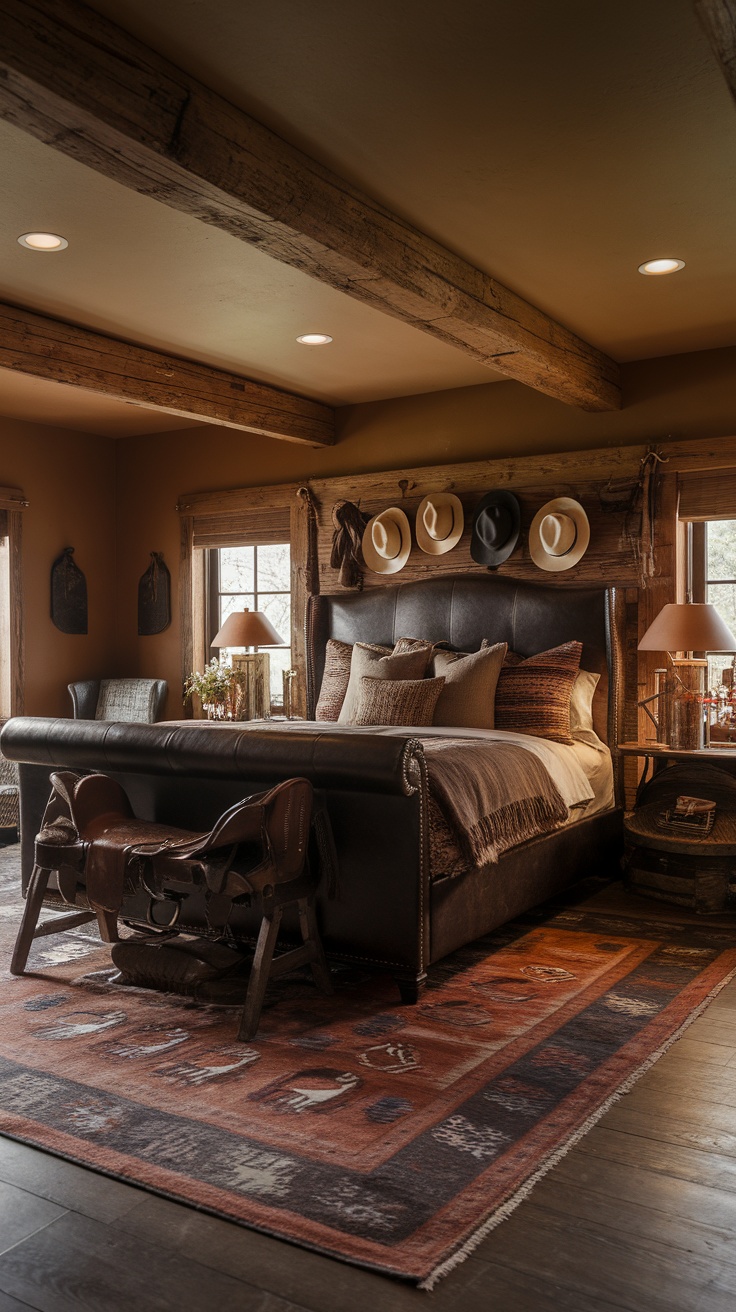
(256, 854)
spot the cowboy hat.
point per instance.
(559, 535)
(496, 526)
(387, 541)
(440, 522)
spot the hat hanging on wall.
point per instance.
(559, 534)
(440, 522)
(496, 527)
(387, 541)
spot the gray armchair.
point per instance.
(132, 700)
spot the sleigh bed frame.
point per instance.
(384, 910)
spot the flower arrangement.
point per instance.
(219, 688)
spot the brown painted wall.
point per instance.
(69, 480)
(679, 397)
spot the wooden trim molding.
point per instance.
(12, 498)
(34, 344)
(82, 85)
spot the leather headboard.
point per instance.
(462, 610)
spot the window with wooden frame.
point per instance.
(708, 507)
(246, 547)
(253, 576)
(12, 504)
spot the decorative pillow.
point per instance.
(411, 644)
(581, 702)
(397, 701)
(371, 662)
(533, 695)
(468, 697)
(335, 678)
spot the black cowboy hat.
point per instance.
(496, 527)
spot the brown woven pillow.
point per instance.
(468, 697)
(397, 701)
(336, 677)
(533, 695)
(370, 661)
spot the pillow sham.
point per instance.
(581, 702)
(397, 701)
(533, 695)
(336, 677)
(371, 661)
(468, 697)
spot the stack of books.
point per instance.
(691, 816)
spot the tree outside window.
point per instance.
(720, 583)
(256, 578)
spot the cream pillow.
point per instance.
(368, 662)
(581, 701)
(468, 698)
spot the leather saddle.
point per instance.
(90, 837)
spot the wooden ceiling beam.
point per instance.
(718, 19)
(47, 348)
(79, 83)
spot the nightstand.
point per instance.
(695, 872)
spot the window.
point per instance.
(257, 578)
(719, 551)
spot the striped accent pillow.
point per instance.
(336, 677)
(533, 695)
(397, 701)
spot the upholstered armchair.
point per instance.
(9, 798)
(132, 700)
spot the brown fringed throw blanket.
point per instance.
(492, 799)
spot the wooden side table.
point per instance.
(657, 757)
(695, 872)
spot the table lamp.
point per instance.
(250, 628)
(680, 691)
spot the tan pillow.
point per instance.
(411, 644)
(468, 697)
(371, 662)
(533, 695)
(581, 701)
(397, 701)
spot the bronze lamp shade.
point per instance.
(247, 628)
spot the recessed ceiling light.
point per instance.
(661, 266)
(43, 241)
(314, 339)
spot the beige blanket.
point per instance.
(493, 797)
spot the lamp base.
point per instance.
(255, 697)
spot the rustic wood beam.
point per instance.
(82, 85)
(718, 19)
(31, 343)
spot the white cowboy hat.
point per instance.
(387, 541)
(440, 522)
(559, 535)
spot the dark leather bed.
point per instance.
(386, 911)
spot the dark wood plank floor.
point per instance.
(640, 1215)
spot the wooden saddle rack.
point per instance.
(257, 853)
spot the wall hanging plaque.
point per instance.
(68, 594)
(154, 597)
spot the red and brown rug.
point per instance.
(390, 1136)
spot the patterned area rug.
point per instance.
(390, 1136)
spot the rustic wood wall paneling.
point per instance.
(186, 602)
(659, 589)
(299, 592)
